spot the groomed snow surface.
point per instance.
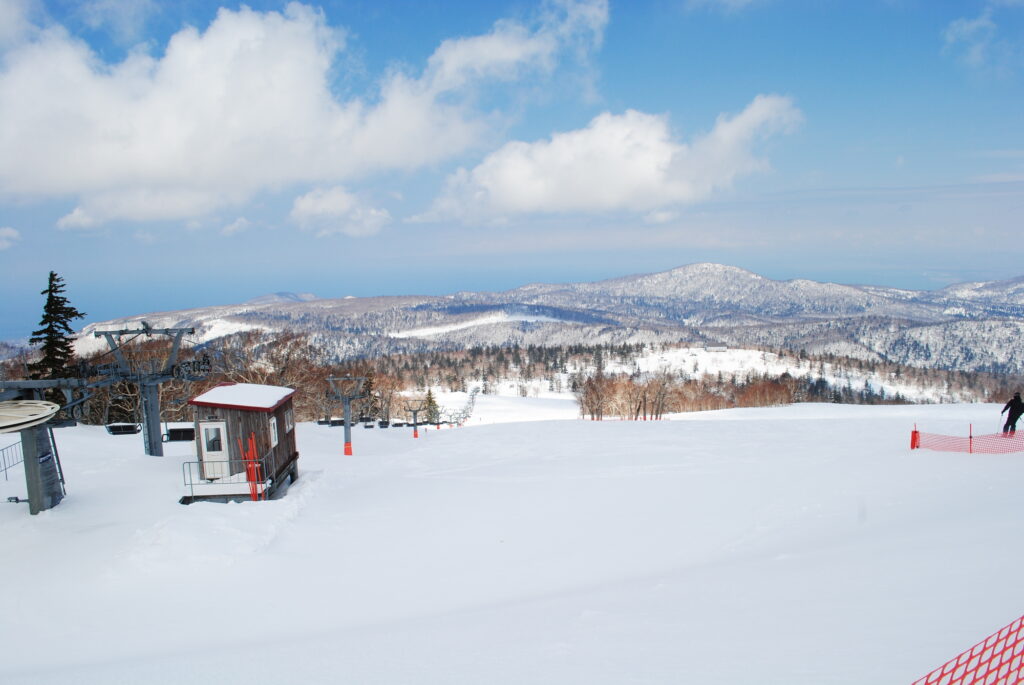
(803, 544)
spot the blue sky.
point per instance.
(164, 155)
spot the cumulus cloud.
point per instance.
(512, 48)
(244, 107)
(124, 19)
(15, 24)
(335, 210)
(8, 236)
(629, 161)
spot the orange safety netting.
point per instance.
(993, 443)
(996, 660)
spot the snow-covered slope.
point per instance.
(803, 544)
(697, 361)
(500, 317)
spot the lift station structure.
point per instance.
(245, 443)
(46, 482)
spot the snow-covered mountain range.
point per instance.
(970, 326)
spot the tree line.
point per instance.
(605, 378)
(290, 360)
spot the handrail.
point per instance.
(237, 472)
(10, 457)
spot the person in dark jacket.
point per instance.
(1016, 408)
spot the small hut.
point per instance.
(245, 442)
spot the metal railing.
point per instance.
(10, 457)
(229, 477)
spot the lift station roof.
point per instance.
(252, 396)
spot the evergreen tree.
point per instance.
(54, 334)
(433, 411)
(370, 403)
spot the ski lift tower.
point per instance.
(43, 475)
(414, 407)
(23, 410)
(149, 380)
(346, 389)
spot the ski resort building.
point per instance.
(245, 443)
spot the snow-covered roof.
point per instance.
(244, 396)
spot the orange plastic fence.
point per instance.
(993, 443)
(996, 660)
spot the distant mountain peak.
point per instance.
(282, 297)
(974, 326)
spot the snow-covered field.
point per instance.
(698, 361)
(804, 544)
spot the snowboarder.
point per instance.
(1016, 408)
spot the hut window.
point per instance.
(213, 436)
(289, 420)
(273, 431)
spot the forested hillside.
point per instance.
(629, 380)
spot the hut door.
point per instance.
(213, 443)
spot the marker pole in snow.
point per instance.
(346, 389)
(346, 404)
(414, 407)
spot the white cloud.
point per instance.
(244, 107)
(661, 216)
(973, 36)
(15, 25)
(77, 218)
(977, 42)
(147, 204)
(8, 236)
(237, 226)
(125, 19)
(618, 162)
(335, 210)
(512, 48)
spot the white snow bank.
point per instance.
(490, 319)
(801, 544)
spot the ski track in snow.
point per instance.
(230, 533)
